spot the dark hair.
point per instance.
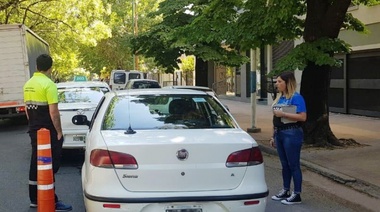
(44, 62)
(287, 76)
(291, 85)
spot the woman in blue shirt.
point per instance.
(288, 136)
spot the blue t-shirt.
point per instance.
(296, 100)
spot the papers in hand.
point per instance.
(286, 109)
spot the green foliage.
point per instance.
(365, 2)
(65, 24)
(267, 22)
(352, 23)
(187, 64)
(320, 52)
(92, 34)
(98, 34)
(159, 42)
(111, 53)
(219, 30)
(180, 31)
(115, 52)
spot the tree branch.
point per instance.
(334, 17)
(4, 6)
(46, 18)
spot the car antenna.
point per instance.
(129, 130)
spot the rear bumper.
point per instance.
(236, 203)
(178, 199)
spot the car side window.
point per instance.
(96, 112)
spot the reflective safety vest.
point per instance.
(39, 92)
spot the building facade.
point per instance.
(355, 86)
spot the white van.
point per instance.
(119, 78)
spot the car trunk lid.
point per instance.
(68, 110)
(180, 160)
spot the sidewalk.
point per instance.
(356, 167)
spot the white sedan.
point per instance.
(169, 150)
(78, 98)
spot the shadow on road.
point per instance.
(72, 158)
(14, 124)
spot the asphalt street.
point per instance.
(320, 194)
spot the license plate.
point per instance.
(79, 138)
(184, 208)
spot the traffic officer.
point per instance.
(41, 99)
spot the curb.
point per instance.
(363, 187)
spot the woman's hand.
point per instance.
(278, 113)
(272, 143)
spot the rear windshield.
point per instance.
(166, 112)
(145, 84)
(80, 95)
(119, 78)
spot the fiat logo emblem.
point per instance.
(182, 154)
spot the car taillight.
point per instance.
(247, 157)
(20, 109)
(110, 159)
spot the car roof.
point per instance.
(82, 84)
(141, 80)
(155, 91)
(201, 88)
(192, 87)
(124, 71)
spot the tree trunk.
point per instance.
(323, 20)
(314, 88)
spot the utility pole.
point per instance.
(253, 128)
(135, 32)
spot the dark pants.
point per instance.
(56, 150)
(288, 144)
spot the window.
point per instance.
(134, 76)
(166, 112)
(79, 95)
(119, 78)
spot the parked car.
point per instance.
(119, 78)
(198, 88)
(169, 150)
(78, 98)
(142, 84)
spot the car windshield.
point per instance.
(79, 95)
(166, 112)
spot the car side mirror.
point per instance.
(80, 120)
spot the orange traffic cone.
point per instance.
(45, 180)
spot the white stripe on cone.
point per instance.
(43, 146)
(45, 187)
(44, 167)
